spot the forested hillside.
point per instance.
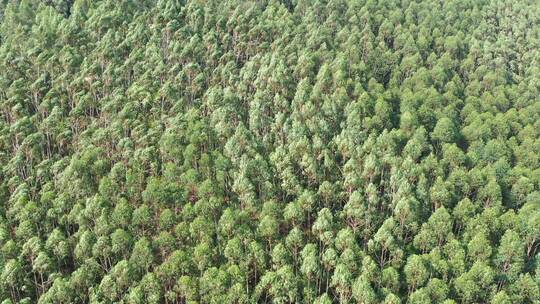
(295, 151)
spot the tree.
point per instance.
(342, 282)
(501, 298)
(214, 283)
(435, 232)
(419, 296)
(60, 292)
(479, 247)
(323, 226)
(444, 131)
(142, 256)
(142, 219)
(310, 263)
(323, 299)
(281, 285)
(510, 256)
(416, 272)
(390, 279)
(476, 284)
(363, 291)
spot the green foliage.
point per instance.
(269, 151)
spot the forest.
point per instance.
(269, 151)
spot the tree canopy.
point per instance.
(271, 151)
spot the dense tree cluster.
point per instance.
(295, 151)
